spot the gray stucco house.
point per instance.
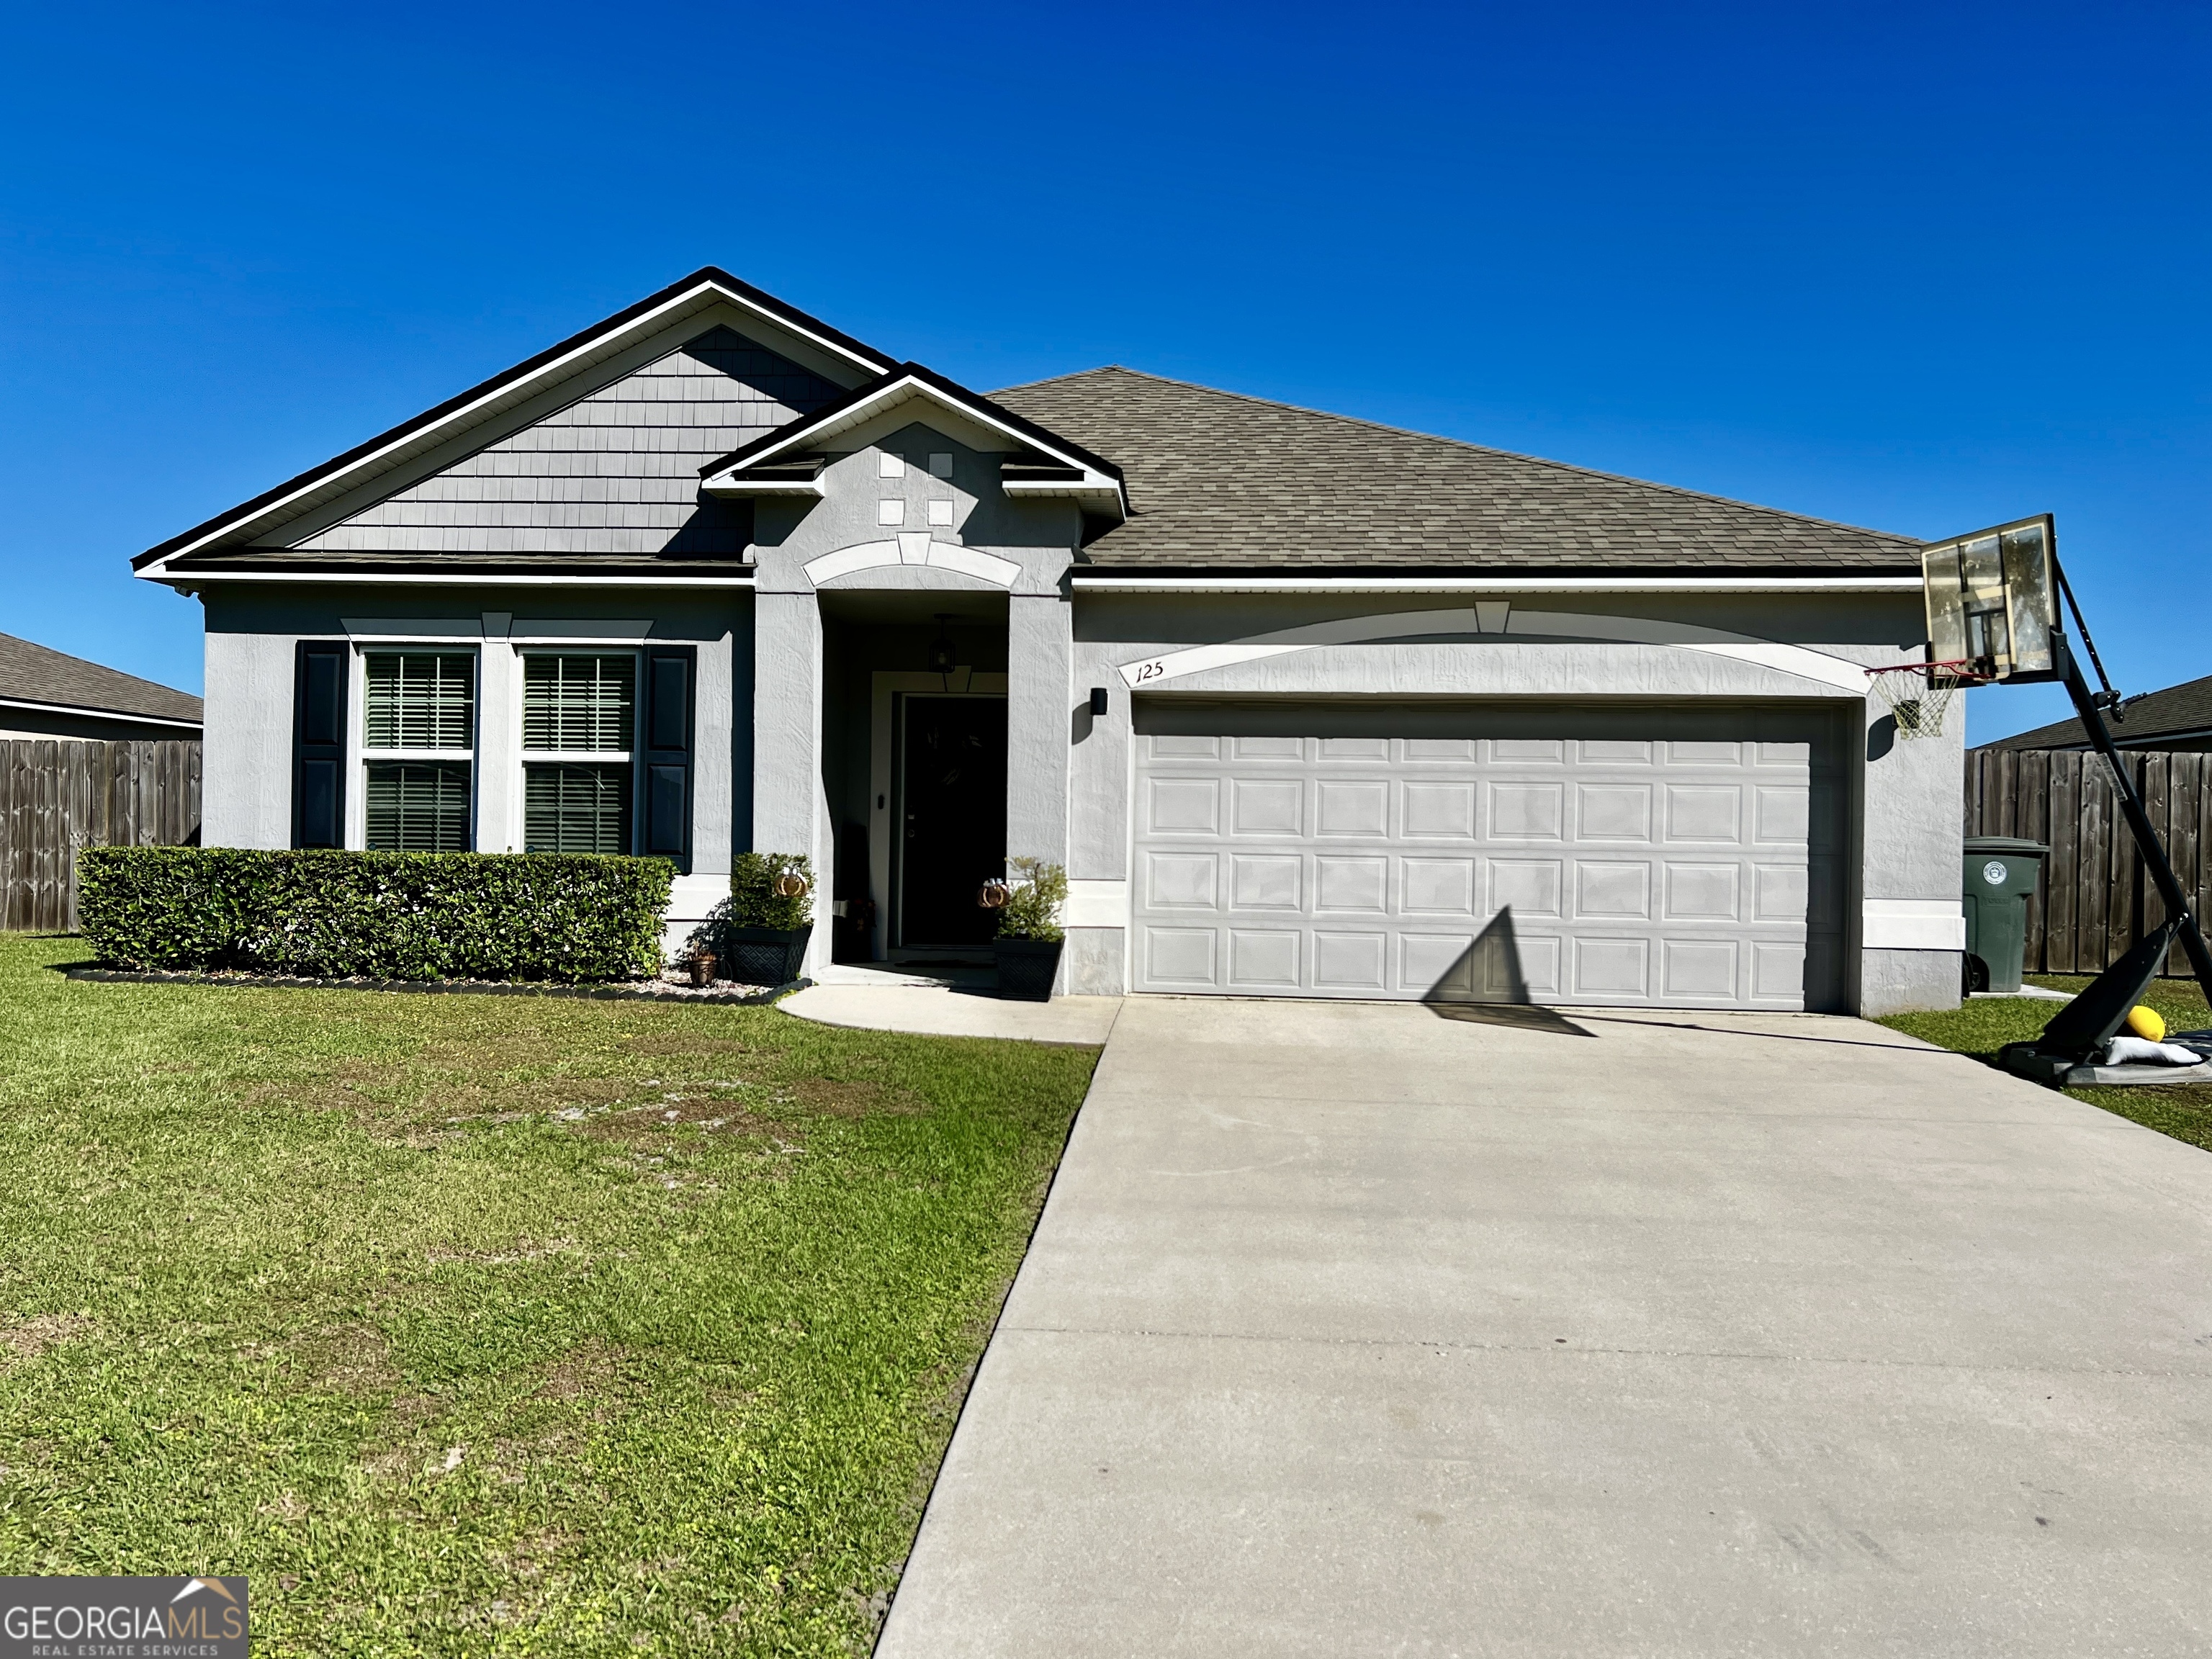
(1308, 707)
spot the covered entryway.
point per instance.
(951, 817)
(913, 769)
(1580, 854)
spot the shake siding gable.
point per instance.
(617, 472)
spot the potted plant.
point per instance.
(758, 934)
(1030, 933)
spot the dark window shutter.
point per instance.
(318, 713)
(664, 761)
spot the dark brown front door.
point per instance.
(953, 797)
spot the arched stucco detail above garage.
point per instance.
(1500, 618)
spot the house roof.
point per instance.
(1172, 476)
(1217, 480)
(2178, 711)
(489, 398)
(33, 673)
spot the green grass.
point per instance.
(1982, 1027)
(476, 1325)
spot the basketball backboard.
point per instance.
(1993, 599)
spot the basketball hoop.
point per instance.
(1917, 693)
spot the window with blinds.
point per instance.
(575, 809)
(573, 702)
(579, 715)
(418, 806)
(420, 700)
(418, 749)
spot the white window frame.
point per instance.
(360, 757)
(518, 839)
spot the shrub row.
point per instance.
(380, 915)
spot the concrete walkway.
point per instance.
(1351, 1330)
(951, 1011)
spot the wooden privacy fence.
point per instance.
(58, 795)
(2095, 900)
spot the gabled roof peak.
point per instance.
(704, 291)
(1095, 480)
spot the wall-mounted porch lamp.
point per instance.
(943, 655)
(1097, 701)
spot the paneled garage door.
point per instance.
(1643, 855)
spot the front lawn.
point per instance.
(1986, 1025)
(476, 1325)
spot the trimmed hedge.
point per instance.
(562, 916)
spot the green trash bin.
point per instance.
(2001, 872)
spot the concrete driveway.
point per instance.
(1350, 1329)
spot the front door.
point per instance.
(953, 798)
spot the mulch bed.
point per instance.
(662, 990)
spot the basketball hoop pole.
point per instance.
(2131, 808)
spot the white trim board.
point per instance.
(1095, 904)
(1911, 924)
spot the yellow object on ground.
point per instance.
(2146, 1023)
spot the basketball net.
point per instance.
(1917, 693)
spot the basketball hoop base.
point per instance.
(2065, 1072)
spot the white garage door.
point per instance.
(1646, 856)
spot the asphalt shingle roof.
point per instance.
(33, 673)
(2184, 708)
(1219, 479)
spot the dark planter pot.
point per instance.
(763, 956)
(1027, 968)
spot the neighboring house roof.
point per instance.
(2179, 712)
(51, 679)
(1218, 480)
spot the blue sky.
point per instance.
(1922, 268)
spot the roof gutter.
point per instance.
(1098, 584)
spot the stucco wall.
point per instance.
(251, 638)
(1907, 793)
(245, 762)
(764, 760)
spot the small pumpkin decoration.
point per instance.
(790, 884)
(994, 894)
